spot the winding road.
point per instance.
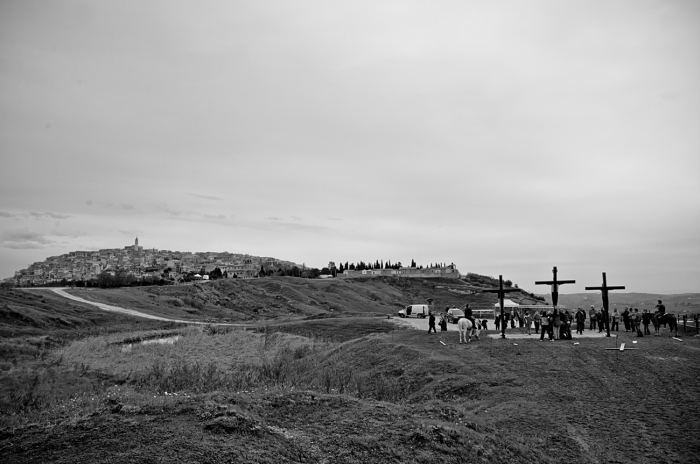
(133, 312)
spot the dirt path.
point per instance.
(133, 312)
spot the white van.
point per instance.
(417, 310)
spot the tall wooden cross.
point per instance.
(604, 289)
(555, 286)
(501, 293)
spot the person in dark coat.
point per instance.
(431, 323)
(564, 318)
(544, 326)
(601, 319)
(626, 319)
(580, 320)
(646, 319)
(469, 314)
(497, 321)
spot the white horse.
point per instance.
(466, 329)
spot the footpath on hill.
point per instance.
(132, 312)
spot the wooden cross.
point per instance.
(501, 292)
(555, 285)
(604, 289)
(622, 348)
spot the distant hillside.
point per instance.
(479, 283)
(683, 303)
(281, 298)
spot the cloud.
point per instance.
(206, 197)
(61, 233)
(173, 211)
(24, 239)
(50, 215)
(211, 216)
(274, 218)
(35, 215)
(278, 223)
(107, 204)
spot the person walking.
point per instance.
(431, 323)
(497, 321)
(615, 321)
(536, 319)
(512, 318)
(580, 321)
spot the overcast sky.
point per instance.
(507, 137)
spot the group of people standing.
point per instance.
(556, 323)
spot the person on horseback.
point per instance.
(660, 311)
(468, 315)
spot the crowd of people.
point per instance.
(557, 323)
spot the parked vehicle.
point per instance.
(417, 310)
(454, 315)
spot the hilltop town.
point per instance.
(136, 264)
(141, 264)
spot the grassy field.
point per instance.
(333, 389)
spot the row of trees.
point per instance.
(378, 264)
